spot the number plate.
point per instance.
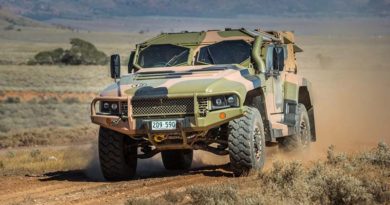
(164, 125)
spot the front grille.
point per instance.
(163, 106)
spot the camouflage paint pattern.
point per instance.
(195, 81)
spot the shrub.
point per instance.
(214, 195)
(333, 186)
(174, 197)
(50, 57)
(377, 188)
(12, 100)
(35, 153)
(10, 154)
(284, 175)
(71, 100)
(382, 155)
(81, 53)
(140, 201)
(334, 158)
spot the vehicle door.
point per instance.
(275, 88)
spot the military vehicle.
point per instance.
(229, 92)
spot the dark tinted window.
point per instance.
(225, 52)
(162, 55)
(278, 58)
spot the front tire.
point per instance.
(247, 143)
(118, 161)
(177, 159)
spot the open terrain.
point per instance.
(66, 176)
(48, 156)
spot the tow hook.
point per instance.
(159, 138)
(117, 121)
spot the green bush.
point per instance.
(50, 57)
(71, 100)
(12, 100)
(81, 53)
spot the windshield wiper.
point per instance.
(172, 61)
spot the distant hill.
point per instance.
(8, 18)
(76, 9)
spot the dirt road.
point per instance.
(86, 186)
(74, 187)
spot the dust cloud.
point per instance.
(152, 167)
(92, 170)
(350, 92)
(350, 80)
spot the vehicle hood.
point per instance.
(183, 81)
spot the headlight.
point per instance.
(109, 107)
(106, 105)
(221, 102)
(114, 106)
(232, 100)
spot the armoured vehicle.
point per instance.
(229, 92)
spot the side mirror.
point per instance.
(131, 62)
(115, 66)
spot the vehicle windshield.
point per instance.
(163, 56)
(225, 52)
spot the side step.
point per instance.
(280, 130)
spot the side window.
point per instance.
(278, 58)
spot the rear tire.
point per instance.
(247, 143)
(117, 160)
(177, 159)
(302, 137)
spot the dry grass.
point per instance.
(22, 116)
(48, 123)
(360, 178)
(54, 78)
(43, 160)
(50, 136)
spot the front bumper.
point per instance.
(136, 126)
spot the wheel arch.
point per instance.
(252, 99)
(251, 95)
(305, 98)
